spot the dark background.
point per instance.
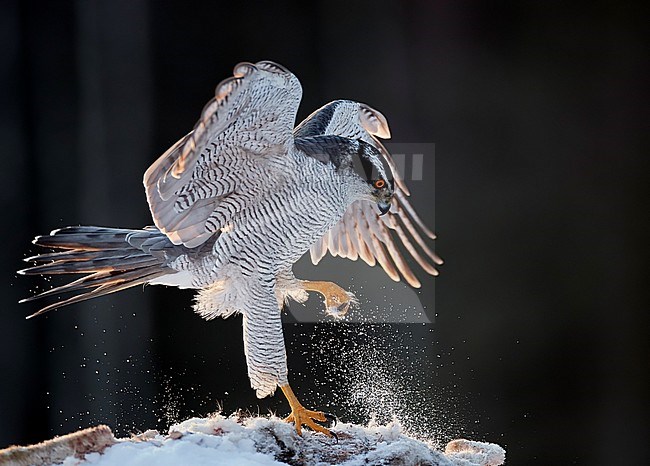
(539, 116)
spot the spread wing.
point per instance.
(194, 188)
(362, 232)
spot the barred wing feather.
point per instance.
(194, 188)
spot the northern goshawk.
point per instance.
(238, 200)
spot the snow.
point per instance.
(262, 441)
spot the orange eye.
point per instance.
(379, 184)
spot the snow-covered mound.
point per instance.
(239, 441)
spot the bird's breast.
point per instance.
(282, 225)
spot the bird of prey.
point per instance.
(238, 200)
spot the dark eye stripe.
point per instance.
(366, 165)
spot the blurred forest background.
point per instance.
(539, 115)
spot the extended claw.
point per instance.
(331, 420)
(339, 311)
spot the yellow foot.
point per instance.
(301, 416)
(337, 300)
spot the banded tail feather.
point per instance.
(111, 259)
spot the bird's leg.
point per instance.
(301, 416)
(337, 300)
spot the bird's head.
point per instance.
(376, 180)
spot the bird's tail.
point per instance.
(112, 259)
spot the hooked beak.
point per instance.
(384, 207)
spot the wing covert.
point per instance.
(196, 185)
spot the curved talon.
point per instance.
(343, 309)
(331, 419)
